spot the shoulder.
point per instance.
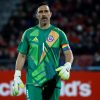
(30, 29)
(58, 30)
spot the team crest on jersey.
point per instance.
(50, 38)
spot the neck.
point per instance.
(44, 25)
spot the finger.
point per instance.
(14, 90)
(65, 76)
(61, 72)
(58, 69)
(21, 85)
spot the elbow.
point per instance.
(22, 55)
(72, 58)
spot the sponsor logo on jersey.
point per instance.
(50, 38)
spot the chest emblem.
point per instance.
(50, 38)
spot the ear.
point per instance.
(36, 15)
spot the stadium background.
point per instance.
(80, 20)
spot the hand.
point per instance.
(64, 71)
(67, 66)
(17, 83)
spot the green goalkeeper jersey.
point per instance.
(42, 50)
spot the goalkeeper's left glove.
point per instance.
(64, 71)
(17, 83)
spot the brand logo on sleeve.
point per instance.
(35, 39)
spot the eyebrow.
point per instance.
(43, 10)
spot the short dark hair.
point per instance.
(42, 3)
(38, 5)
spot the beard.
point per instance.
(44, 19)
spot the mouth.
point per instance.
(44, 18)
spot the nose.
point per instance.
(43, 13)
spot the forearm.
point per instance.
(64, 71)
(68, 56)
(20, 61)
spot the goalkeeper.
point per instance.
(40, 47)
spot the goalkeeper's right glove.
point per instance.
(17, 83)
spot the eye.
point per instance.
(40, 11)
(46, 11)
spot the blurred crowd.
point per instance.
(79, 19)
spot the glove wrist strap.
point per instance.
(17, 73)
(67, 63)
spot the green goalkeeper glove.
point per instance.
(17, 83)
(64, 71)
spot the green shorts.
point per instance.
(47, 92)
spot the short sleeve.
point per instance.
(23, 45)
(63, 38)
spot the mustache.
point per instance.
(44, 17)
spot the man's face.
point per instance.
(43, 14)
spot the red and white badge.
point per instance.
(50, 38)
